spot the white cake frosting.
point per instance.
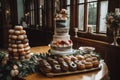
(61, 43)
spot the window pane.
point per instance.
(68, 8)
(92, 14)
(81, 17)
(40, 14)
(81, 1)
(103, 12)
(91, 0)
(68, 2)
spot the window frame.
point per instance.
(85, 15)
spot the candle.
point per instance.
(89, 29)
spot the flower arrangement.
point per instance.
(113, 21)
(62, 15)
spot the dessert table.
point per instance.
(101, 74)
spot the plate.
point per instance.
(87, 49)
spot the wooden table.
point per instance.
(101, 74)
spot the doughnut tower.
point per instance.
(61, 43)
(18, 47)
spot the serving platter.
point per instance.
(51, 74)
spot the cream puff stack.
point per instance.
(18, 48)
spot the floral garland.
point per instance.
(16, 70)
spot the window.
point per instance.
(92, 13)
(68, 8)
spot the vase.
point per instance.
(115, 35)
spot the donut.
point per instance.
(95, 63)
(80, 65)
(88, 65)
(18, 41)
(15, 54)
(28, 56)
(9, 40)
(10, 45)
(27, 48)
(20, 46)
(25, 41)
(89, 59)
(23, 32)
(17, 32)
(13, 37)
(23, 53)
(15, 58)
(80, 57)
(10, 49)
(22, 57)
(21, 50)
(27, 52)
(14, 45)
(26, 44)
(18, 28)
(72, 66)
(20, 37)
(11, 31)
(10, 36)
(14, 50)
(25, 36)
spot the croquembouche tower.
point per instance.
(18, 48)
(61, 43)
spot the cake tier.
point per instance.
(61, 37)
(62, 31)
(61, 23)
(61, 51)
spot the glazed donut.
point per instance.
(18, 42)
(27, 52)
(21, 50)
(17, 32)
(10, 36)
(73, 58)
(27, 48)
(88, 65)
(20, 37)
(20, 46)
(15, 54)
(80, 57)
(11, 31)
(80, 65)
(10, 45)
(18, 28)
(25, 41)
(10, 49)
(95, 63)
(88, 59)
(15, 58)
(14, 50)
(26, 44)
(25, 36)
(23, 32)
(22, 57)
(28, 56)
(23, 53)
(13, 37)
(14, 45)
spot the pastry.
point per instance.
(88, 65)
(20, 37)
(14, 50)
(95, 63)
(11, 31)
(23, 32)
(14, 46)
(80, 65)
(80, 57)
(72, 66)
(17, 32)
(21, 50)
(20, 46)
(14, 37)
(56, 68)
(28, 56)
(18, 28)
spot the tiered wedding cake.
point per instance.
(61, 43)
